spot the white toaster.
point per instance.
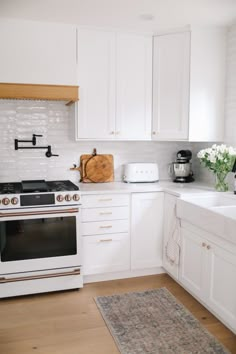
(141, 172)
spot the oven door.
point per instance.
(39, 239)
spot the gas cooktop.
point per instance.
(38, 193)
(37, 186)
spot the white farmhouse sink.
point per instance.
(229, 211)
(213, 200)
(215, 213)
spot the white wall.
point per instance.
(202, 173)
(230, 107)
(20, 119)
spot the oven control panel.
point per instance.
(14, 201)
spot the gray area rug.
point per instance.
(154, 322)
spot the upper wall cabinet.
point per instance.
(96, 73)
(115, 79)
(134, 87)
(171, 86)
(37, 53)
(188, 85)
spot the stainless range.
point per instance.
(40, 243)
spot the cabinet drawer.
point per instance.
(104, 200)
(106, 253)
(104, 227)
(100, 214)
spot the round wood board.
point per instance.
(100, 168)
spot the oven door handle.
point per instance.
(42, 276)
(41, 212)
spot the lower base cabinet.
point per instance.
(208, 271)
(106, 253)
(105, 233)
(146, 230)
(171, 223)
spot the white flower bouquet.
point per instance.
(219, 159)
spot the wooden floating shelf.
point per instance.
(39, 92)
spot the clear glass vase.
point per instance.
(220, 184)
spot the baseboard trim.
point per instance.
(122, 275)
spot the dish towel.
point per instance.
(173, 244)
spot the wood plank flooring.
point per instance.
(69, 322)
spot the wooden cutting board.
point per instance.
(96, 168)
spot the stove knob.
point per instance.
(76, 197)
(60, 198)
(14, 201)
(68, 197)
(5, 201)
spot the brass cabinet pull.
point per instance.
(105, 213)
(106, 240)
(105, 200)
(106, 227)
(42, 276)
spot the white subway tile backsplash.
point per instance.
(21, 119)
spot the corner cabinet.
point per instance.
(37, 53)
(188, 85)
(115, 79)
(208, 271)
(169, 227)
(146, 230)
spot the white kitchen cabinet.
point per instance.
(221, 287)
(171, 86)
(115, 79)
(171, 225)
(193, 263)
(146, 230)
(208, 271)
(106, 253)
(134, 87)
(105, 230)
(95, 118)
(188, 85)
(37, 53)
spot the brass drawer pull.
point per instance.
(106, 227)
(105, 200)
(106, 240)
(105, 213)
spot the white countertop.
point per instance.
(178, 189)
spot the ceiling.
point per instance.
(145, 15)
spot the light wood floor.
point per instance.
(69, 322)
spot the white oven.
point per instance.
(39, 239)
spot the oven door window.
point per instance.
(37, 238)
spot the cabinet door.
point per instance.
(134, 87)
(171, 86)
(146, 230)
(193, 263)
(221, 296)
(106, 253)
(170, 223)
(37, 53)
(207, 85)
(96, 76)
